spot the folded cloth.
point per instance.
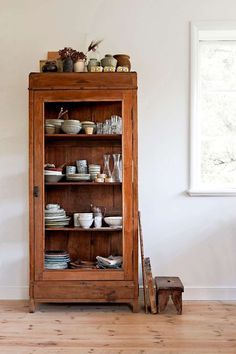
(110, 262)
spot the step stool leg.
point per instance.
(162, 300)
(176, 297)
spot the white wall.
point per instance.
(194, 238)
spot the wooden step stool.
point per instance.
(169, 286)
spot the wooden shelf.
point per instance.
(79, 229)
(85, 270)
(69, 183)
(113, 137)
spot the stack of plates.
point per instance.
(94, 170)
(56, 259)
(56, 218)
(79, 177)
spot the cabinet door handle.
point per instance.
(36, 191)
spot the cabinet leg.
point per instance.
(32, 306)
(135, 306)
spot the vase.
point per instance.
(68, 65)
(116, 168)
(109, 60)
(92, 62)
(106, 168)
(49, 66)
(123, 60)
(79, 66)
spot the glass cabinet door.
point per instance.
(114, 197)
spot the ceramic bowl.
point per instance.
(50, 129)
(71, 128)
(72, 122)
(113, 221)
(89, 130)
(85, 224)
(87, 122)
(53, 178)
(56, 122)
(85, 216)
(52, 207)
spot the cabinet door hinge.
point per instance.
(36, 191)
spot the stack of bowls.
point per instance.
(88, 127)
(85, 220)
(50, 128)
(71, 126)
(94, 170)
(52, 176)
(55, 122)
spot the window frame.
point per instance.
(203, 31)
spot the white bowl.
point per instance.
(85, 224)
(113, 221)
(53, 178)
(85, 216)
(71, 129)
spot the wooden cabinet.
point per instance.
(87, 96)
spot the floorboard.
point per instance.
(204, 327)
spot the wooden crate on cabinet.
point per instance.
(87, 96)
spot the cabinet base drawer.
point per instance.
(83, 291)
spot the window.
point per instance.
(213, 109)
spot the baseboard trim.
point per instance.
(190, 293)
(208, 294)
(14, 292)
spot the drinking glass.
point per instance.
(99, 128)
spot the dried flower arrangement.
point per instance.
(75, 55)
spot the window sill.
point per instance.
(230, 192)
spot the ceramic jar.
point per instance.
(49, 66)
(123, 60)
(79, 66)
(68, 65)
(93, 62)
(109, 60)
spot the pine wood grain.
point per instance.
(205, 327)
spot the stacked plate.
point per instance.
(78, 177)
(94, 170)
(57, 259)
(56, 218)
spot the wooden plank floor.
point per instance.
(204, 327)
